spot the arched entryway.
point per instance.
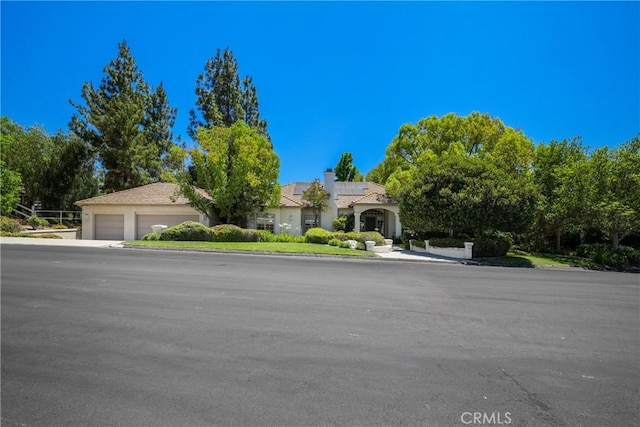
(384, 221)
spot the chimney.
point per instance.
(329, 178)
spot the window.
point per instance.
(265, 222)
(310, 222)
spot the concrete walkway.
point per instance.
(406, 255)
(60, 242)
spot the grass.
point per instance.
(534, 259)
(272, 247)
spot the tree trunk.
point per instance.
(615, 241)
(558, 235)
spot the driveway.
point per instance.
(94, 336)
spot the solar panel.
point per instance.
(300, 187)
(350, 188)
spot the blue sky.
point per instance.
(334, 77)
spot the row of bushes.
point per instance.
(322, 236)
(602, 253)
(195, 231)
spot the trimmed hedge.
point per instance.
(233, 233)
(318, 235)
(189, 231)
(446, 242)
(490, 247)
(363, 236)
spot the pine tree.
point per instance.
(222, 98)
(127, 124)
(346, 170)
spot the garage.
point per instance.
(144, 222)
(109, 227)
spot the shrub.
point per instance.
(601, 253)
(335, 242)
(340, 235)
(228, 233)
(363, 236)
(344, 244)
(340, 223)
(418, 243)
(9, 225)
(266, 236)
(35, 221)
(59, 227)
(317, 235)
(151, 236)
(188, 231)
(446, 242)
(233, 233)
(360, 246)
(490, 247)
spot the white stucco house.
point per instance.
(129, 214)
(372, 208)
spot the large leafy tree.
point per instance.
(614, 195)
(478, 135)
(69, 175)
(237, 168)
(454, 173)
(316, 199)
(560, 175)
(54, 170)
(223, 98)
(458, 193)
(127, 124)
(345, 170)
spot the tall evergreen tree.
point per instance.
(222, 98)
(346, 171)
(127, 124)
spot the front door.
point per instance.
(369, 223)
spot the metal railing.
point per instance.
(51, 215)
(60, 216)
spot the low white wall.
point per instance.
(460, 253)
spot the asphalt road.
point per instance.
(126, 337)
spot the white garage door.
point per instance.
(144, 222)
(109, 227)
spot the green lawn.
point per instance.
(290, 248)
(532, 259)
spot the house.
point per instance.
(129, 214)
(368, 202)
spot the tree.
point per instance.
(69, 175)
(316, 199)
(478, 135)
(222, 98)
(54, 170)
(237, 168)
(465, 194)
(10, 189)
(614, 195)
(126, 123)
(560, 173)
(345, 169)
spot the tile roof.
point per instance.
(348, 194)
(159, 193)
